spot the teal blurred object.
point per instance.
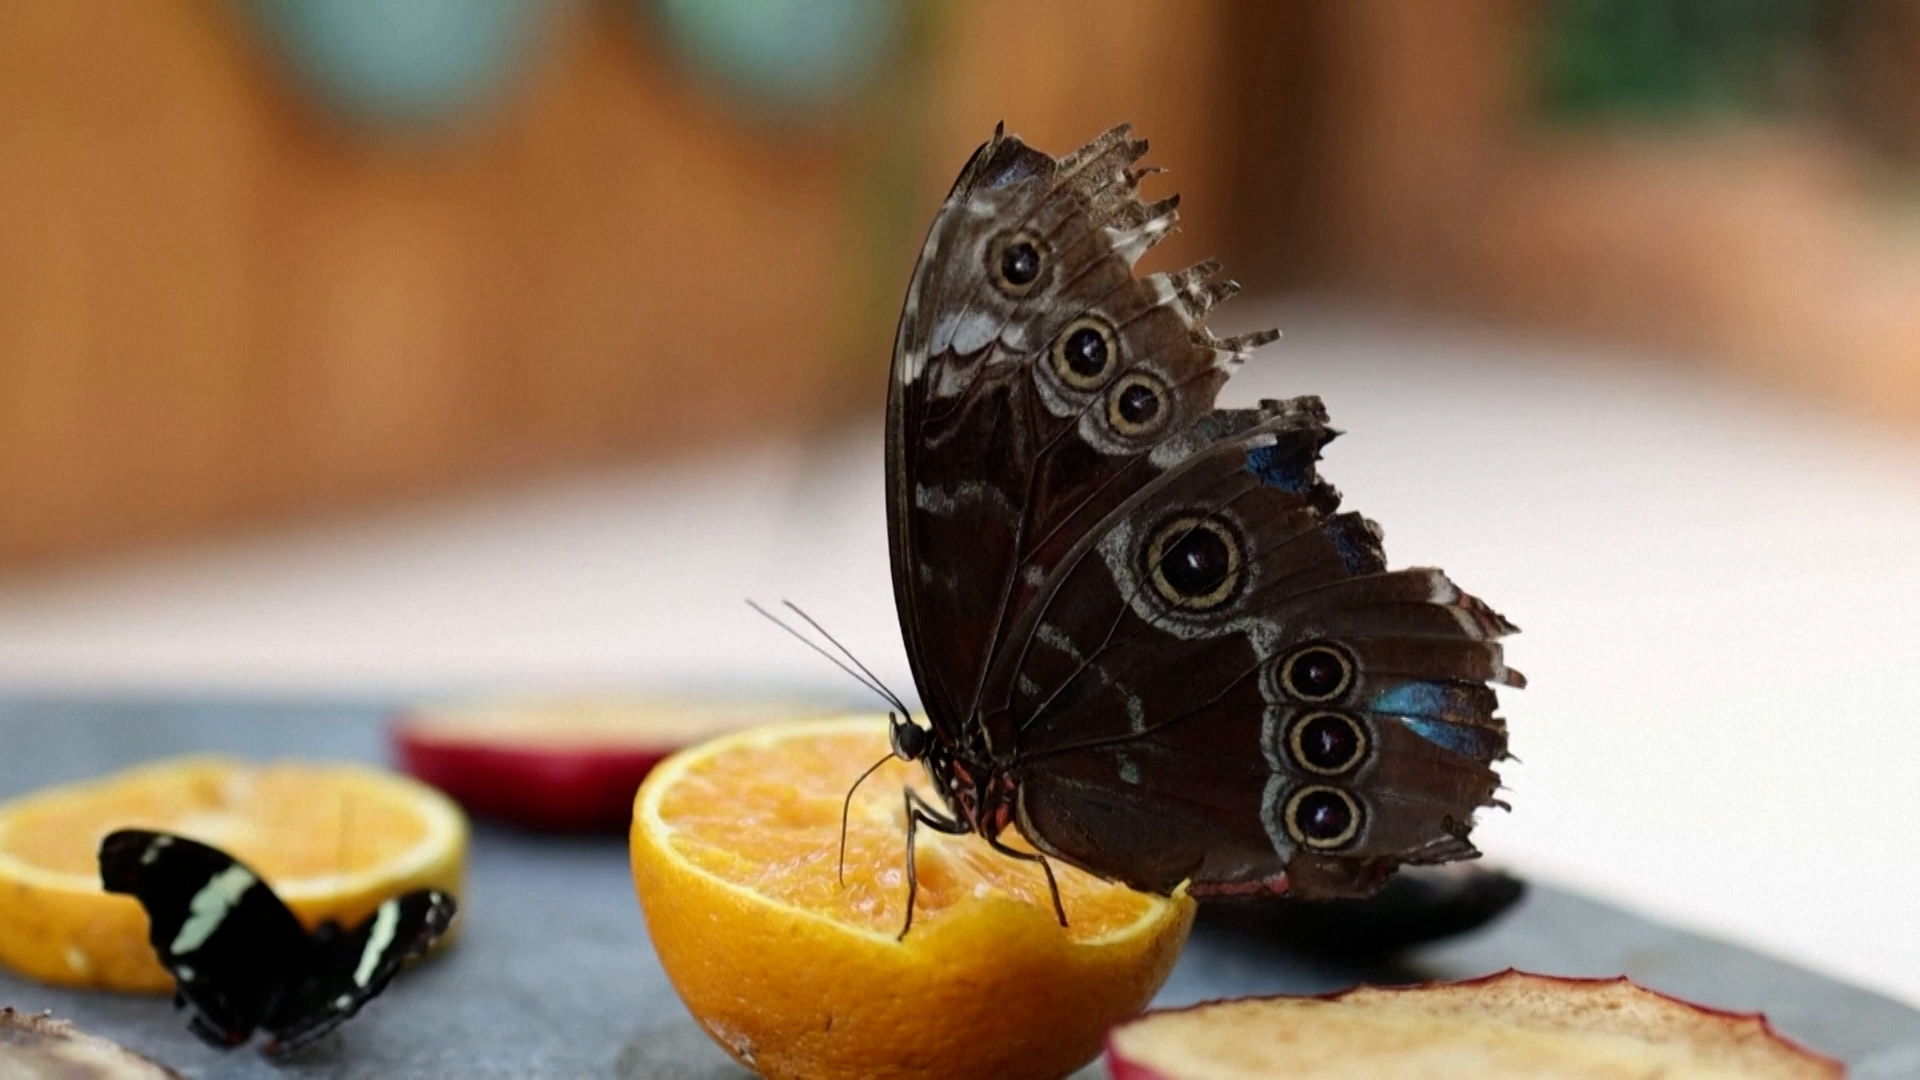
(403, 63)
(781, 55)
(1663, 59)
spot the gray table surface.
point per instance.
(554, 976)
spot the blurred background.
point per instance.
(269, 260)
(414, 347)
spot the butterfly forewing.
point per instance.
(1146, 616)
(1030, 396)
(232, 947)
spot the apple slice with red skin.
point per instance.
(1503, 1027)
(561, 765)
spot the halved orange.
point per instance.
(333, 840)
(796, 975)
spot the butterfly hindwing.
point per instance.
(233, 948)
(1230, 671)
(351, 967)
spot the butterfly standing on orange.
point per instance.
(1150, 647)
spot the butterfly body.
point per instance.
(241, 960)
(1143, 632)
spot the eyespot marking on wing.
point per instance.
(1324, 818)
(1195, 563)
(1085, 353)
(1328, 743)
(1317, 672)
(1138, 406)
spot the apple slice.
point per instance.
(564, 764)
(38, 1047)
(1510, 1025)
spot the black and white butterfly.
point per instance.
(241, 960)
(1143, 632)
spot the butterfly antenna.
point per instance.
(892, 697)
(846, 807)
(867, 681)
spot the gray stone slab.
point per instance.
(554, 976)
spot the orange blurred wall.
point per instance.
(218, 308)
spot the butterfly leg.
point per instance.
(919, 813)
(1053, 886)
(216, 1036)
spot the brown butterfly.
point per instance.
(1143, 632)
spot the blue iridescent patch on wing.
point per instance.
(1448, 715)
(1410, 700)
(1454, 702)
(1463, 739)
(1292, 474)
(1359, 548)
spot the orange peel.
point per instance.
(734, 848)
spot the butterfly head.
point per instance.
(976, 792)
(911, 742)
(909, 739)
